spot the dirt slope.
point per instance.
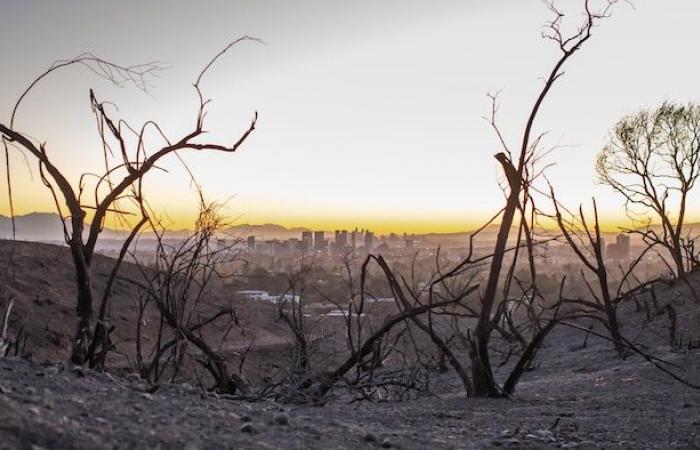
(42, 284)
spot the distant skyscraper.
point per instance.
(620, 249)
(340, 244)
(319, 240)
(306, 240)
(251, 242)
(623, 246)
(369, 240)
(341, 238)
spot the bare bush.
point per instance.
(118, 190)
(176, 311)
(587, 244)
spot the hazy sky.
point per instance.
(370, 112)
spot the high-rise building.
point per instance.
(251, 242)
(341, 238)
(623, 246)
(340, 244)
(369, 240)
(306, 240)
(319, 240)
(620, 249)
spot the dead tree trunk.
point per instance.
(515, 167)
(85, 323)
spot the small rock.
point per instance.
(281, 419)
(245, 419)
(133, 376)
(386, 443)
(370, 437)
(687, 405)
(247, 428)
(78, 371)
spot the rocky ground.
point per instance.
(590, 404)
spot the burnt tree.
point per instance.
(121, 182)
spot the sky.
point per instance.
(371, 113)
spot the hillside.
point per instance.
(42, 284)
(577, 395)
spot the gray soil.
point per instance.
(574, 400)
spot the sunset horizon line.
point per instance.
(387, 227)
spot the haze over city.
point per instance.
(371, 114)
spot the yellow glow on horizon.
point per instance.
(429, 223)
(181, 214)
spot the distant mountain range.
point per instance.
(46, 227)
